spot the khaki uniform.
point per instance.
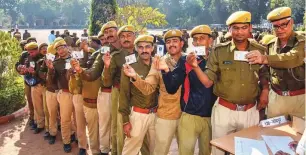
(103, 101)
(287, 73)
(142, 124)
(168, 111)
(64, 97)
(235, 82)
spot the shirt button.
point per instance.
(242, 70)
(242, 84)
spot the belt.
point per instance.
(117, 85)
(65, 90)
(106, 90)
(236, 107)
(88, 100)
(289, 93)
(145, 111)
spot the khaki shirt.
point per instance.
(111, 75)
(168, 105)
(59, 73)
(235, 81)
(287, 67)
(131, 96)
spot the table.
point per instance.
(227, 143)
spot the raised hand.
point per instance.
(160, 64)
(129, 71)
(192, 60)
(107, 59)
(75, 64)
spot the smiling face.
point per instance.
(111, 34)
(62, 51)
(240, 32)
(127, 39)
(283, 28)
(174, 45)
(144, 50)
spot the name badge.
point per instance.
(227, 62)
(130, 59)
(105, 49)
(32, 64)
(200, 50)
(240, 55)
(160, 50)
(273, 121)
(77, 54)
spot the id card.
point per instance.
(200, 50)
(160, 50)
(130, 59)
(77, 54)
(105, 49)
(32, 64)
(240, 55)
(50, 56)
(67, 65)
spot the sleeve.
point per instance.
(174, 79)
(38, 68)
(149, 85)
(264, 74)
(95, 71)
(83, 62)
(109, 73)
(212, 66)
(125, 97)
(301, 147)
(43, 71)
(293, 58)
(20, 61)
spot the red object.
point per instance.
(117, 85)
(106, 90)
(187, 82)
(289, 93)
(145, 111)
(88, 100)
(235, 107)
(66, 90)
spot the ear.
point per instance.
(182, 43)
(251, 28)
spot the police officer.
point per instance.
(138, 110)
(285, 59)
(235, 82)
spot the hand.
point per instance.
(127, 129)
(84, 46)
(49, 64)
(129, 71)
(192, 60)
(255, 57)
(293, 145)
(31, 70)
(107, 59)
(22, 69)
(263, 99)
(160, 64)
(75, 64)
(281, 153)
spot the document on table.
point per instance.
(245, 146)
(278, 143)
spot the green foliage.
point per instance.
(140, 16)
(101, 12)
(11, 84)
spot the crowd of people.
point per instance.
(133, 98)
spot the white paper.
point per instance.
(67, 65)
(105, 49)
(50, 56)
(240, 55)
(160, 50)
(278, 143)
(77, 54)
(32, 64)
(245, 146)
(200, 50)
(273, 121)
(130, 59)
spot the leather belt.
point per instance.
(117, 85)
(88, 100)
(106, 90)
(65, 90)
(236, 107)
(145, 111)
(289, 93)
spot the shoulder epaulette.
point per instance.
(222, 44)
(300, 37)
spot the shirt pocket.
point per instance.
(227, 72)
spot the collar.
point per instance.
(233, 46)
(142, 63)
(290, 42)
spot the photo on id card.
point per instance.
(240, 55)
(105, 49)
(200, 50)
(130, 59)
(160, 50)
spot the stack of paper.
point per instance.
(278, 143)
(245, 146)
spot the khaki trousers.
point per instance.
(92, 118)
(66, 111)
(191, 129)
(226, 121)
(142, 125)
(52, 104)
(104, 111)
(77, 100)
(46, 111)
(286, 105)
(117, 133)
(37, 97)
(165, 132)
(27, 92)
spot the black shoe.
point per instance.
(67, 148)
(31, 122)
(34, 126)
(46, 135)
(73, 138)
(59, 128)
(52, 140)
(103, 153)
(82, 152)
(38, 130)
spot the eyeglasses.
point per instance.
(281, 26)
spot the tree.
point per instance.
(10, 7)
(140, 17)
(101, 12)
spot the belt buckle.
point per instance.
(151, 110)
(285, 93)
(240, 107)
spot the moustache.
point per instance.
(144, 53)
(172, 47)
(126, 41)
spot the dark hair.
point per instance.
(52, 32)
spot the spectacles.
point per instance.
(282, 26)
